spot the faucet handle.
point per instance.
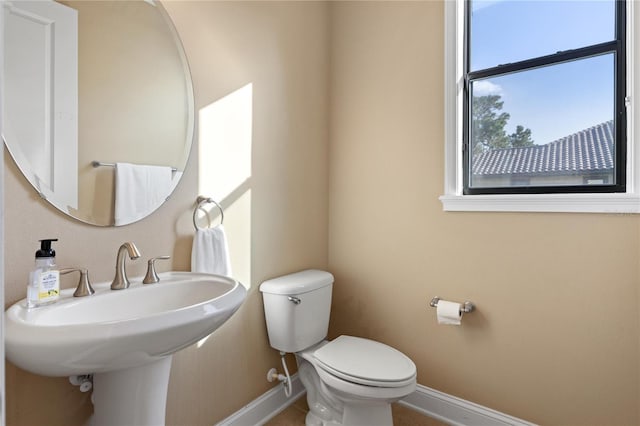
(84, 286)
(152, 276)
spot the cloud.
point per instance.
(485, 87)
(481, 4)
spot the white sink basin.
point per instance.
(119, 329)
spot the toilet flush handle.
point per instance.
(295, 300)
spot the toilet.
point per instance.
(349, 380)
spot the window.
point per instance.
(544, 96)
(536, 108)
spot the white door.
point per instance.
(41, 95)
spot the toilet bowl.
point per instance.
(355, 381)
(349, 380)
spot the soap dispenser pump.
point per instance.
(44, 280)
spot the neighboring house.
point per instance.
(583, 158)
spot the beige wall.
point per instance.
(555, 336)
(276, 220)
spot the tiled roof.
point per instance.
(587, 150)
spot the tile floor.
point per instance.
(294, 416)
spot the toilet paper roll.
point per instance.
(449, 312)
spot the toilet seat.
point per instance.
(365, 362)
(348, 390)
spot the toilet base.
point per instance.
(313, 420)
(331, 407)
(368, 415)
(365, 415)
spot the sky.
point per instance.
(553, 101)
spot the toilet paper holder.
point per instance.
(465, 308)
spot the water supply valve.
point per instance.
(273, 375)
(84, 381)
(285, 379)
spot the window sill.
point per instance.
(565, 203)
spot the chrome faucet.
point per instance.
(120, 281)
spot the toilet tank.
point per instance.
(296, 308)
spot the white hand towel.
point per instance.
(210, 252)
(140, 189)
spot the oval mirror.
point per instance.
(99, 112)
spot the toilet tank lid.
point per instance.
(297, 283)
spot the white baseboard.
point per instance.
(456, 411)
(430, 402)
(266, 406)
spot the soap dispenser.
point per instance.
(44, 280)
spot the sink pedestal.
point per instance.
(133, 396)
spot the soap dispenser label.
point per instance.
(49, 286)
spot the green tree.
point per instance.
(521, 138)
(488, 126)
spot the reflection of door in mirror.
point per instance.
(41, 102)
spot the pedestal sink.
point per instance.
(124, 338)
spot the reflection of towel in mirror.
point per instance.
(210, 252)
(140, 189)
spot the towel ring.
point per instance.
(201, 201)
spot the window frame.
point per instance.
(626, 200)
